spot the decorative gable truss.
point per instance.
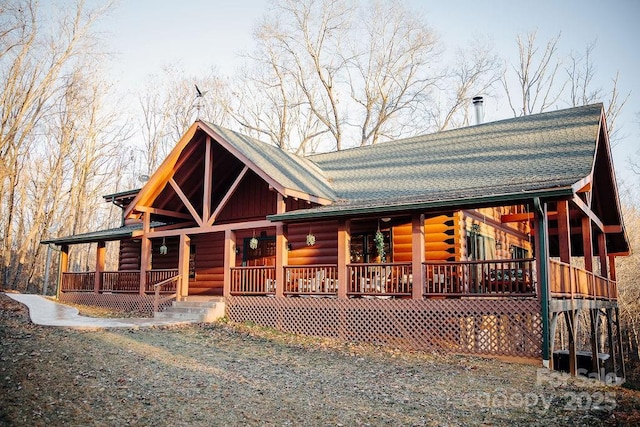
(198, 179)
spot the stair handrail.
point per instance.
(157, 286)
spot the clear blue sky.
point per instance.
(146, 35)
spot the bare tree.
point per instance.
(389, 68)
(475, 72)
(170, 105)
(539, 83)
(36, 58)
(341, 74)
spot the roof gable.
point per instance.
(286, 173)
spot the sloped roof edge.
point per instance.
(380, 207)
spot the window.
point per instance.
(518, 252)
(480, 247)
(363, 247)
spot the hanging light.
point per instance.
(311, 239)
(253, 243)
(163, 248)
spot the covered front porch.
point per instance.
(507, 278)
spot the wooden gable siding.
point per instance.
(168, 260)
(252, 200)
(325, 250)
(129, 255)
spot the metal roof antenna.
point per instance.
(478, 106)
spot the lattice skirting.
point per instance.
(123, 302)
(509, 327)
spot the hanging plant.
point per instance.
(378, 239)
(253, 243)
(311, 239)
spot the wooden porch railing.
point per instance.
(121, 281)
(480, 278)
(318, 279)
(117, 281)
(567, 281)
(157, 276)
(253, 280)
(171, 284)
(389, 279)
(78, 282)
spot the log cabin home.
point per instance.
(485, 240)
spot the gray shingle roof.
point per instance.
(542, 152)
(101, 235)
(290, 171)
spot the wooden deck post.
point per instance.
(282, 252)
(229, 260)
(587, 244)
(63, 268)
(344, 241)
(595, 326)
(282, 258)
(570, 318)
(101, 251)
(564, 231)
(183, 266)
(145, 252)
(602, 254)
(417, 255)
(541, 238)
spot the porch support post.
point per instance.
(613, 276)
(184, 252)
(610, 341)
(145, 252)
(594, 314)
(602, 254)
(229, 260)
(587, 244)
(282, 258)
(564, 231)
(417, 255)
(101, 251)
(616, 310)
(282, 253)
(344, 241)
(541, 233)
(63, 268)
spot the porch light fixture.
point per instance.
(498, 245)
(253, 243)
(163, 248)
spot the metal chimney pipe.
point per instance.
(479, 109)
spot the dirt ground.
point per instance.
(224, 374)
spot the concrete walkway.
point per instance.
(48, 313)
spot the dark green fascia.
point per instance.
(300, 215)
